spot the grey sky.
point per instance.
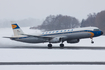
(21, 9)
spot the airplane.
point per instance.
(57, 36)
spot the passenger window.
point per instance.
(71, 29)
(49, 32)
(57, 31)
(53, 32)
(65, 30)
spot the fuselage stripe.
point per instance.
(92, 32)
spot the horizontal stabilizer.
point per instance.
(10, 37)
(7, 37)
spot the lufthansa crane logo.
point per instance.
(14, 26)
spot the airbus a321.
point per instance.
(57, 36)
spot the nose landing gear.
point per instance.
(92, 40)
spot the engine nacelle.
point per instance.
(73, 41)
(55, 40)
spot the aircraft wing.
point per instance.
(48, 38)
(38, 36)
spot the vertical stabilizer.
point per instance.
(16, 29)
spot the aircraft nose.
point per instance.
(101, 33)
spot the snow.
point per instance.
(35, 55)
(53, 67)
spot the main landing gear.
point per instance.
(92, 40)
(61, 45)
(49, 45)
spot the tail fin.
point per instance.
(16, 29)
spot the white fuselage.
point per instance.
(66, 34)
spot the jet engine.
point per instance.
(55, 40)
(73, 41)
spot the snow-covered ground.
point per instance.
(32, 55)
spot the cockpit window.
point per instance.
(96, 30)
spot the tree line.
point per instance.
(58, 22)
(64, 22)
(97, 20)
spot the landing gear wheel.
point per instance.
(92, 42)
(61, 45)
(49, 45)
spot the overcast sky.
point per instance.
(40, 9)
